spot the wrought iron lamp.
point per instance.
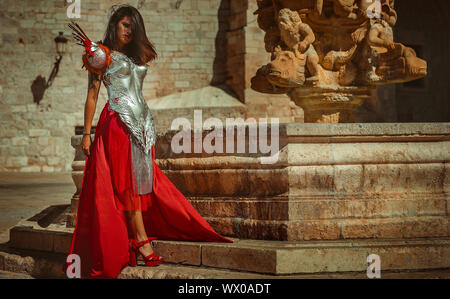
(40, 84)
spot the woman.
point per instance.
(125, 199)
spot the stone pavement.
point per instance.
(23, 195)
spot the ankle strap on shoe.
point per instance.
(140, 244)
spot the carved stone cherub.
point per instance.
(381, 34)
(388, 12)
(393, 61)
(299, 38)
(380, 39)
(349, 45)
(345, 8)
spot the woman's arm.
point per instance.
(91, 100)
(94, 83)
(96, 60)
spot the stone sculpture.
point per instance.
(329, 55)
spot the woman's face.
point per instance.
(124, 32)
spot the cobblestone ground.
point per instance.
(23, 195)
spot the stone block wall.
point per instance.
(200, 43)
(37, 137)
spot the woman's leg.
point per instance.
(136, 224)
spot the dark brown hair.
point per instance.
(140, 49)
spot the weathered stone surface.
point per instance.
(360, 208)
(33, 264)
(240, 258)
(392, 254)
(373, 179)
(36, 238)
(27, 237)
(244, 207)
(314, 230)
(405, 227)
(61, 242)
(178, 252)
(12, 275)
(16, 264)
(319, 153)
(229, 182)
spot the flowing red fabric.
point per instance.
(101, 236)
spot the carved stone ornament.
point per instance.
(329, 55)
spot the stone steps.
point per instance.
(12, 275)
(23, 264)
(34, 264)
(264, 257)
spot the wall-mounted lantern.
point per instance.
(40, 84)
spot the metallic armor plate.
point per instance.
(123, 81)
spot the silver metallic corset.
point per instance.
(123, 81)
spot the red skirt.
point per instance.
(100, 237)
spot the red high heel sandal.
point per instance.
(150, 260)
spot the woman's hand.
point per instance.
(86, 145)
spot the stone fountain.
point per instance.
(329, 56)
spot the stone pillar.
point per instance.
(330, 105)
(78, 164)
